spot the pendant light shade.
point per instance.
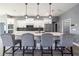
(50, 16)
(37, 16)
(26, 16)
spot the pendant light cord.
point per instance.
(50, 8)
(38, 9)
(26, 8)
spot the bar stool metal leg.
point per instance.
(3, 50)
(71, 51)
(13, 51)
(23, 50)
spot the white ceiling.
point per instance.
(19, 9)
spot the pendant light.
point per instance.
(26, 11)
(50, 16)
(37, 11)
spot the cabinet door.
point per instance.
(1, 28)
(48, 27)
(66, 26)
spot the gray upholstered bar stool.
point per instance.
(8, 42)
(46, 42)
(67, 44)
(27, 43)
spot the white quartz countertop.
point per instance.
(38, 33)
(76, 44)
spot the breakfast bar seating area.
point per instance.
(47, 43)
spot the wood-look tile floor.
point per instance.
(38, 53)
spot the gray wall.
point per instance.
(72, 14)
